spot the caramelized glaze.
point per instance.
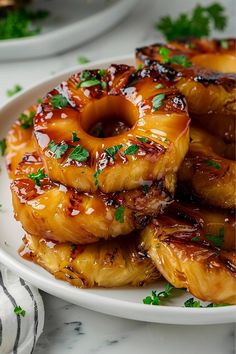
(209, 85)
(127, 97)
(179, 244)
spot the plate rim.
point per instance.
(96, 302)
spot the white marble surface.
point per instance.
(71, 329)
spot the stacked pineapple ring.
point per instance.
(78, 183)
(194, 247)
(73, 188)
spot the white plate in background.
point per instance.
(122, 302)
(70, 23)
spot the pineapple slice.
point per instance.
(153, 144)
(194, 248)
(209, 85)
(108, 264)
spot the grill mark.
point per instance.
(18, 319)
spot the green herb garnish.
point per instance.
(146, 188)
(195, 303)
(155, 299)
(19, 311)
(96, 174)
(39, 100)
(89, 83)
(119, 214)
(11, 92)
(131, 150)
(157, 101)
(142, 139)
(196, 25)
(57, 149)
(159, 86)
(3, 146)
(213, 163)
(18, 23)
(83, 60)
(112, 150)
(224, 44)
(102, 72)
(79, 154)
(27, 121)
(75, 137)
(38, 176)
(176, 59)
(59, 101)
(218, 240)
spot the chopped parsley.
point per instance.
(195, 303)
(17, 23)
(26, 121)
(157, 101)
(213, 164)
(58, 150)
(119, 214)
(102, 72)
(19, 311)
(79, 154)
(3, 146)
(86, 81)
(75, 137)
(146, 188)
(83, 60)
(155, 299)
(89, 83)
(112, 150)
(224, 44)
(196, 25)
(131, 150)
(176, 59)
(11, 92)
(159, 86)
(142, 139)
(139, 67)
(96, 174)
(218, 240)
(38, 176)
(59, 101)
(39, 100)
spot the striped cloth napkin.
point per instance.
(21, 314)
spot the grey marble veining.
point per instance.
(72, 329)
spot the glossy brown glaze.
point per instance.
(179, 244)
(206, 171)
(61, 213)
(113, 263)
(126, 98)
(209, 85)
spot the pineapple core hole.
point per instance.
(109, 116)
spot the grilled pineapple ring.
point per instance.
(154, 144)
(206, 173)
(181, 245)
(107, 264)
(209, 85)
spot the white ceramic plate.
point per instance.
(69, 23)
(125, 302)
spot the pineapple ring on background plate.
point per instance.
(194, 248)
(150, 107)
(110, 263)
(206, 172)
(209, 85)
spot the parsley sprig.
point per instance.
(113, 150)
(26, 121)
(79, 154)
(157, 101)
(15, 89)
(38, 176)
(196, 303)
(3, 146)
(19, 311)
(131, 150)
(212, 163)
(58, 150)
(176, 59)
(217, 240)
(198, 24)
(59, 101)
(83, 60)
(157, 298)
(86, 80)
(119, 214)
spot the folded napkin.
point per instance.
(18, 333)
